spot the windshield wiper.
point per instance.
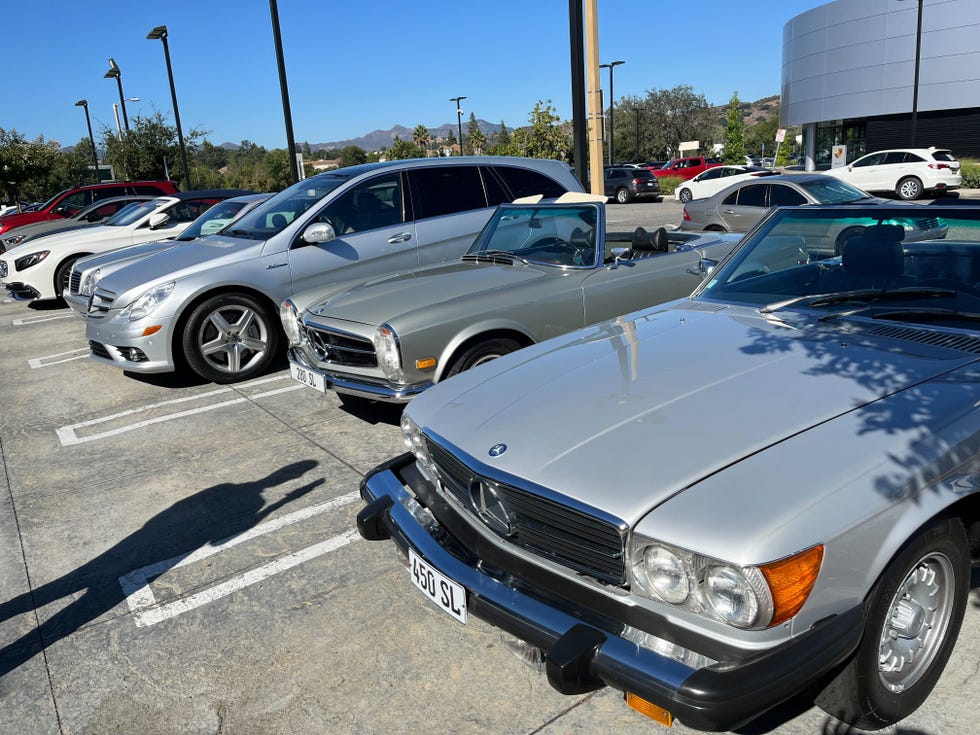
(496, 255)
(865, 295)
(240, 233)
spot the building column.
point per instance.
(810, 146)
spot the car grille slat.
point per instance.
(566, 535)
(339, 348)
(74, 281)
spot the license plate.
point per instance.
(308, 377)
(449, 596)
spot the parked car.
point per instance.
(86, 272)
(39, 269)
(213, 302)
(95, 212)
(623, 184)
(70, 201)
(537, 270)
(908, 173)
(768, 488)
(715, 179)
(686, 168)
(739, 206)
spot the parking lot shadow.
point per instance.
(214, 514)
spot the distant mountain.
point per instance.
(384, 138)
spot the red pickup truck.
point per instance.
(686, 168)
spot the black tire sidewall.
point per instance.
(496, 346)
(60, 275)
(197, 362)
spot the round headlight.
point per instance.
(732, 596)
(290, 321)
(88, 283)
(412, 435)
(389, 357)
(665, 574)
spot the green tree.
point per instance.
(211, 156)
(401, 149)
(545, 137)
(734, 132)
(476, 141)
(26, 166)
(451, 142)
(421, 137)
(352, 155)
(144, 149)
(675, 115)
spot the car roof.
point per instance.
(208, 193)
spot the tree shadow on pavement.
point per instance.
(214, 514)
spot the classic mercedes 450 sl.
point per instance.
(537, 270)
(770, 487)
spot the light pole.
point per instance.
(284, 90)
(459, 121)
(161, 33)
(915, 81)
(115, 114)
(88, 121)
(612, 104)
(115, 73)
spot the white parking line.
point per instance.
(67, 435)
(48, 360)
(146, 611)
(27, 321)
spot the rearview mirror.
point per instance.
(319, 232)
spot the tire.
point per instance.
(685, 195)
(229, 338)
(623, 196)
(905, 645)
(909, 188)
(483, 352)
(62, 275)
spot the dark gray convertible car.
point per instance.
(769, 487)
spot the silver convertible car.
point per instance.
(771, 487)
(537, 270)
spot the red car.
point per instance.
(70, 201)
(686, 168)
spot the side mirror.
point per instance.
(158, 220)
(705, 267)
(319, 232)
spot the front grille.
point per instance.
(927, 223)
(566, 535)
(74, 281)
(340, 348)
(100, 302)
(99, 350)
(3, 269)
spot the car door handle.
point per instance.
(400, 237)
(729, 211)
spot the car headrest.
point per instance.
(870, 257)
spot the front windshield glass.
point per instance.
(553, 235)
(915, 257)
(52, 200)
(279, 211)
(212, 220)
(133, 213)
(833, 191)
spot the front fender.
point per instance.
(475, 329)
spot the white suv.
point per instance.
(908, 172)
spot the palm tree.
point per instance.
(421, 137)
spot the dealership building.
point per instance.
(849, 77)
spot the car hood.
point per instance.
(124, 256)
(10, 221)
(623, 415)
(80, 237)
(182, 260)
(376, 301)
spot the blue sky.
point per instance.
(356, 67)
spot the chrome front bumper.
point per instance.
(584, 647)
(356, 385)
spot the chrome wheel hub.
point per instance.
(231, 346)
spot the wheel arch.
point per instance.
(187, 308)
(464, 340)
(71, 257)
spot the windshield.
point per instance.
(133, 213)
(552, 235)
(279, 211)
(838, 258)
(833, 191)
(212, 220)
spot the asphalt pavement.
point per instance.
(180, 557)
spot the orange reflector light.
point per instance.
(791, 581)
(426, 363)
(658, 714)
(152, 330)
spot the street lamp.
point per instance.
(459, 121)
(115, 73)
(284, 91)
(915, 82)
(88, 121)
(161, 33)
(115, 114)
(612, 103)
